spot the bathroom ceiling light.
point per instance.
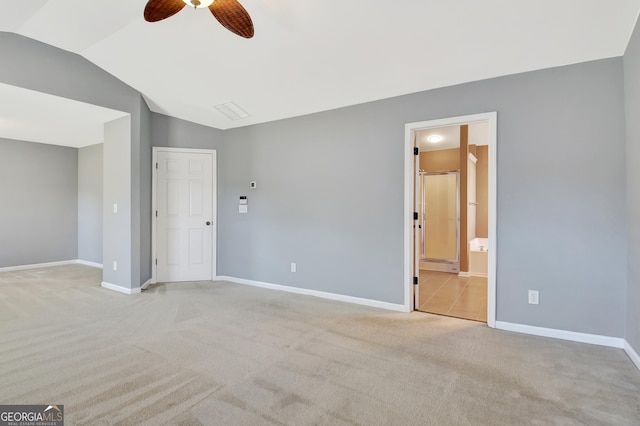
(435, 138)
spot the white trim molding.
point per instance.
(594, 339)
(38, 265)
(120, 289)
(49, 264)
(87, 263)
(632, 354)
(146, 284)
(316, 293)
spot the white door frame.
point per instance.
(154, 207)
(409, 193)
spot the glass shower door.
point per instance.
(440, 217)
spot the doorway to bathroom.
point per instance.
(453, 202)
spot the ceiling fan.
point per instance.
(229, 13)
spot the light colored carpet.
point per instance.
(220, 353)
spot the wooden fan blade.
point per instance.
(233, 17)
(157, 10)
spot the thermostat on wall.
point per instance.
(253, 184)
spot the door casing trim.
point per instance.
(409, 194)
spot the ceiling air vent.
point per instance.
(232, 111)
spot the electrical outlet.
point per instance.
(115, 265)
(534, 298)
(115, 208)
(293, 267)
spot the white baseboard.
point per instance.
(464, 274)
(478, 274)
(37, 265)
(120, 289)
(49, 264)
(146, 284)
(316, 293)
(633, 355)
(594, 339)
(87, 263)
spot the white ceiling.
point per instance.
(38, 117)
(315, 55)
(478, 135)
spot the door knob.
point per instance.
(208, 223)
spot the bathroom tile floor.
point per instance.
(448, 294)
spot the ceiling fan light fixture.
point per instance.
(198, 3)
(229, 13)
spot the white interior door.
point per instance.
(185, 222)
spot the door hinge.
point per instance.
(416, 150)
(415, 215)
(156, 165)
(156, 213)
(156, 262)
(415, 280)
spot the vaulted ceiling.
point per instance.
(314, 55)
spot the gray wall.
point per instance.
(37, 66)
(117, 190)
(38, 203)
(330, 195)
(90, 203)
(632, 95)
(169, 132)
